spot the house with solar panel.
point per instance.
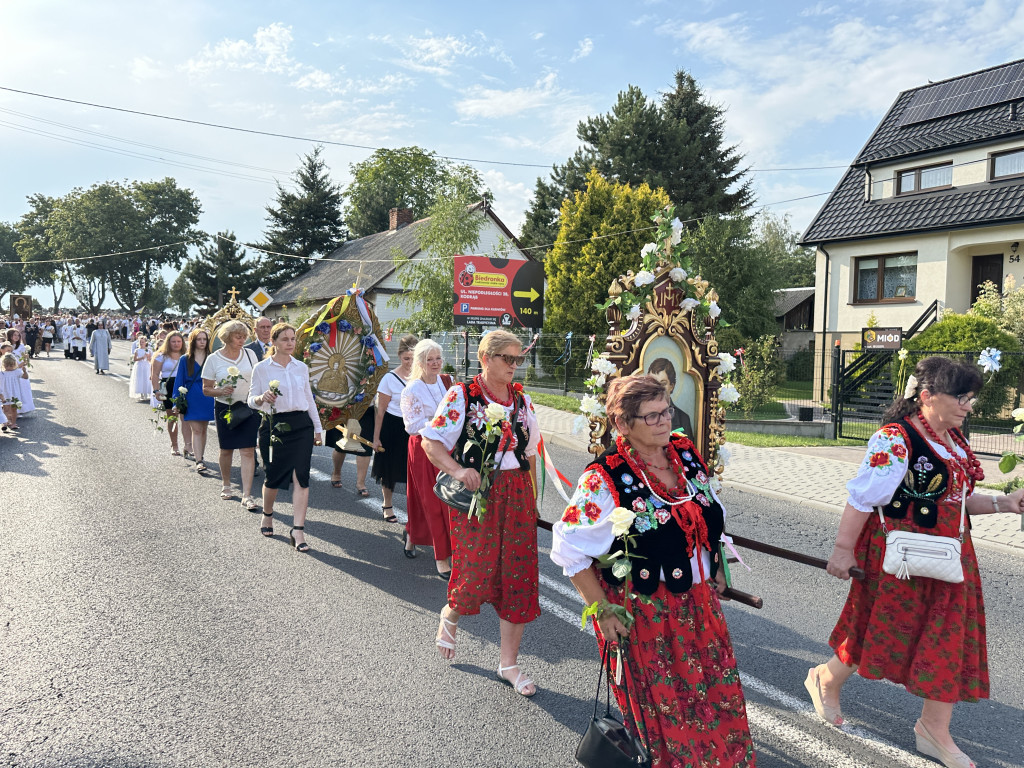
(932, 207)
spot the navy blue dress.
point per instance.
(200, 407)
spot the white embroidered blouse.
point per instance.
(420, 402)
(884, 467)
(446, 426)
(579, 538)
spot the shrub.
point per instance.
(971, 334)
(799, 366)
(730, 339)
(758, 375)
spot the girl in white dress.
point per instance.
(11, 377)
(141, 386)
(20, 352)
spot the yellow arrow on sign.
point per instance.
(531, 294)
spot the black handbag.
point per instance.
(240, 413)
(454, 493)
(607, 743)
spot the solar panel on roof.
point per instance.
(965, 94)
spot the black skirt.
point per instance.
(242, 436)
(392, 466)
(333, 436)
(293, 448)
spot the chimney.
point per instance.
(399, 217)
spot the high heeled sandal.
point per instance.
(926, 745)
(268, 530)
(831, 715)
(521, 681)
(303, 547)
(443, 632)
(389, 518)
(410, 553)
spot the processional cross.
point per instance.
(233, 294)
(359, 276)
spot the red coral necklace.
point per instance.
(654, 484)
(972, 467)
(479, 379)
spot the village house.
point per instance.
(932, 207)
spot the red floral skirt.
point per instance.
(495, 560)
(924, 634)
(682, 675)
(428, 524)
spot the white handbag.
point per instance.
(921, 554)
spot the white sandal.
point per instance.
(521, 681)
(227, 493)
(443, 632)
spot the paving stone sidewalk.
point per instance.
(815, 476)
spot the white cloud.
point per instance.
(430, 53)
(381, 85)
(316, 80)
(267, 53)
(536, 35)
(820, 9)
(144, 68)
(511, 198)
(493, 103)
(583, 49)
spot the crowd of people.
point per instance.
(640, 538)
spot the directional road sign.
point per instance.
(507, 292)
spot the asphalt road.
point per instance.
(145, 622)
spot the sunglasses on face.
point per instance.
(651, 419)
(513, 360)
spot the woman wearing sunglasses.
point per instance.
(653, 489)
(494, 558)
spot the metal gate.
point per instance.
(862, 388)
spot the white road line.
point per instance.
(827, 756)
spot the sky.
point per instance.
(504, 85)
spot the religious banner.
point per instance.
(341, 344)
(21, 306)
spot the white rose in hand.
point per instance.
(274, 384)
(182, 390)
(233, 371)
(622, 519)
(494, 413)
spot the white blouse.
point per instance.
(216, 369)
(420, 402)
(579, 538)
(446, 426)
(293, 379)
(392, 385)
(168, 365)
(885, 466)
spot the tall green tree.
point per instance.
(429, 295)
(778, 243)
(181, 296)
(597, 241)
(36, 250)
(306, 223)
(12, 273)
(676, 144)
(158, 296)
(220, 266)
(407, 177)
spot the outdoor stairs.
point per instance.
(870, 401)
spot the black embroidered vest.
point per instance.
(926, 482)
(473, 458)
(660, 541)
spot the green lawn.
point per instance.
(781, 441)
(795, 390)
(560, 402)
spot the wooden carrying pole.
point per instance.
(796, 557)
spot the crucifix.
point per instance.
(233, 293)
(359, 276)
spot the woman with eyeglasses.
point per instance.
(648, 501)
(494, 557)
(925, 634)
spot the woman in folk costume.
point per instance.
(428, 517)
(926, 634)
(20, 351)
(139, 385)
(494, 556)
(649, 500)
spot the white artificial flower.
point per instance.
(989, 359)
(716, 485)
(634, 312)
(494, 413)
(726, 363)
(910, 391)
(600, 380)
(233, 371)
(643, 277)
(714, 310)
(724, 455)
(903, 354)
(622, 519)
(649, 248)
(689, 305)
(183, 390)
(677, 274)
(1018, 414)
(590, 404)
(729, 394)
(603, 366)
(677, 231)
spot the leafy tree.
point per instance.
(429, 295)
(306, 223)
(36, 250)
(584, 261)
(220, 266)
(777, 242)
(676, 144)
(181, 296)
(407, 177)
(12, 274)
(158, 296)
(726, 252)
